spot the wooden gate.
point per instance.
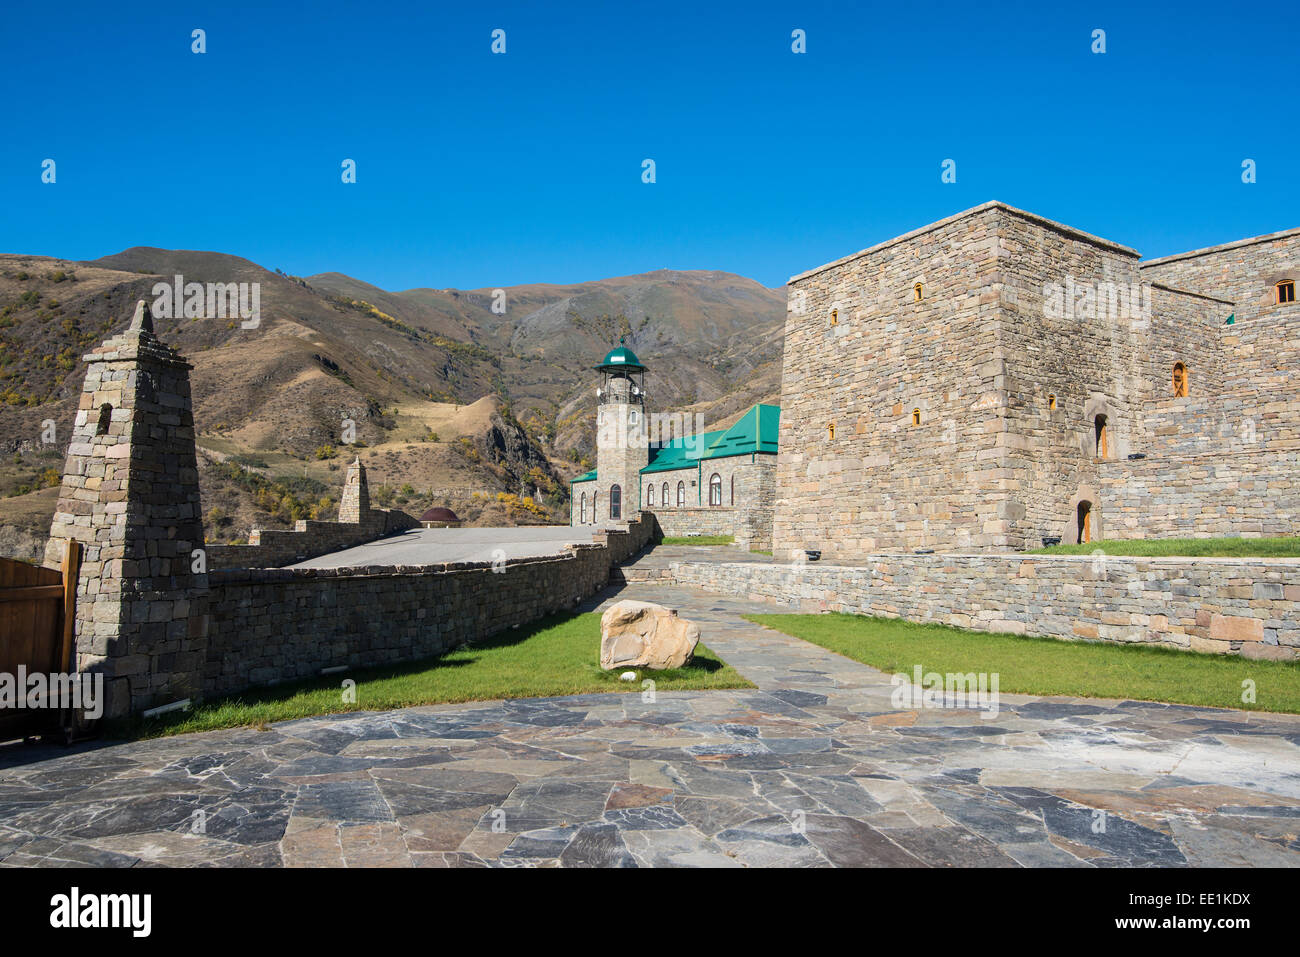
(37, 614)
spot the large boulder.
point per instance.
(641, 634)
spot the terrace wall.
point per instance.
(269, 625)
(1249, 607)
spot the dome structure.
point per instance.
(621, 359)
(439, 517)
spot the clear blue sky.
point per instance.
(477, 169)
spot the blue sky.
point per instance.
(476, 169)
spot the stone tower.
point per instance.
(354, 506)
(622, 449)
(131, 495)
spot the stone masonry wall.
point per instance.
(1249, 607)
(881, 481)
(1245, 493)
(751, 527)
(272, 625)
(1244, 272)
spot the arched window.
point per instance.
(916, 416)
(1051, 402)
(916, 293)
(595, 507)
(715, 489)
(681, 494)
(1084, 522)
(665, 495)
(615, 502)
(1180, 381)
(733, 490)
(1285, 291)
(1102, 436)
(835, 317)
(650, 494)
(582, 514)
(830, 432)
(105, 417)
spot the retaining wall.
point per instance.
(1249, 607)
(268, 625)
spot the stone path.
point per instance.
(813, 768)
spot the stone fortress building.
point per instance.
(993, 382)
(996, 379)
(696, 483)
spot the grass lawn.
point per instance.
(698, 540)
(1287, 547)
(1042, 666)
(556, 656)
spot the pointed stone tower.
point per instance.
(354, 506)
(131, 496)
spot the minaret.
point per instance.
(621, 446)
(130, 495)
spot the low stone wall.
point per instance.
(752, 527)
(1247, 493)
(623, 543)
(271, 625)
(277, 547)
(1249, 607)
(277, 624)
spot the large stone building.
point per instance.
(996, 379)
(696, 483)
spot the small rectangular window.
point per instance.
(1286, 292)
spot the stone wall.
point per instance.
(861, 352)
(279, 624)
(1249, 607)
(1246, 493)
(272, 625)
(751, 527)
(1243, 272)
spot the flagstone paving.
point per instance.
(813, 768)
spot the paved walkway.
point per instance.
(813, 768)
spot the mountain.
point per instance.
(453, 401)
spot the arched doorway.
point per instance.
(1084, 522)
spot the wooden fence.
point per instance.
(37, 614)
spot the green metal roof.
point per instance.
(584, 477)
(755, 431)
(620, 358)
(681, 453)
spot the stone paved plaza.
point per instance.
(813, 768)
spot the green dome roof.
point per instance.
(620, 358)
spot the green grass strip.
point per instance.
(1048, 666)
